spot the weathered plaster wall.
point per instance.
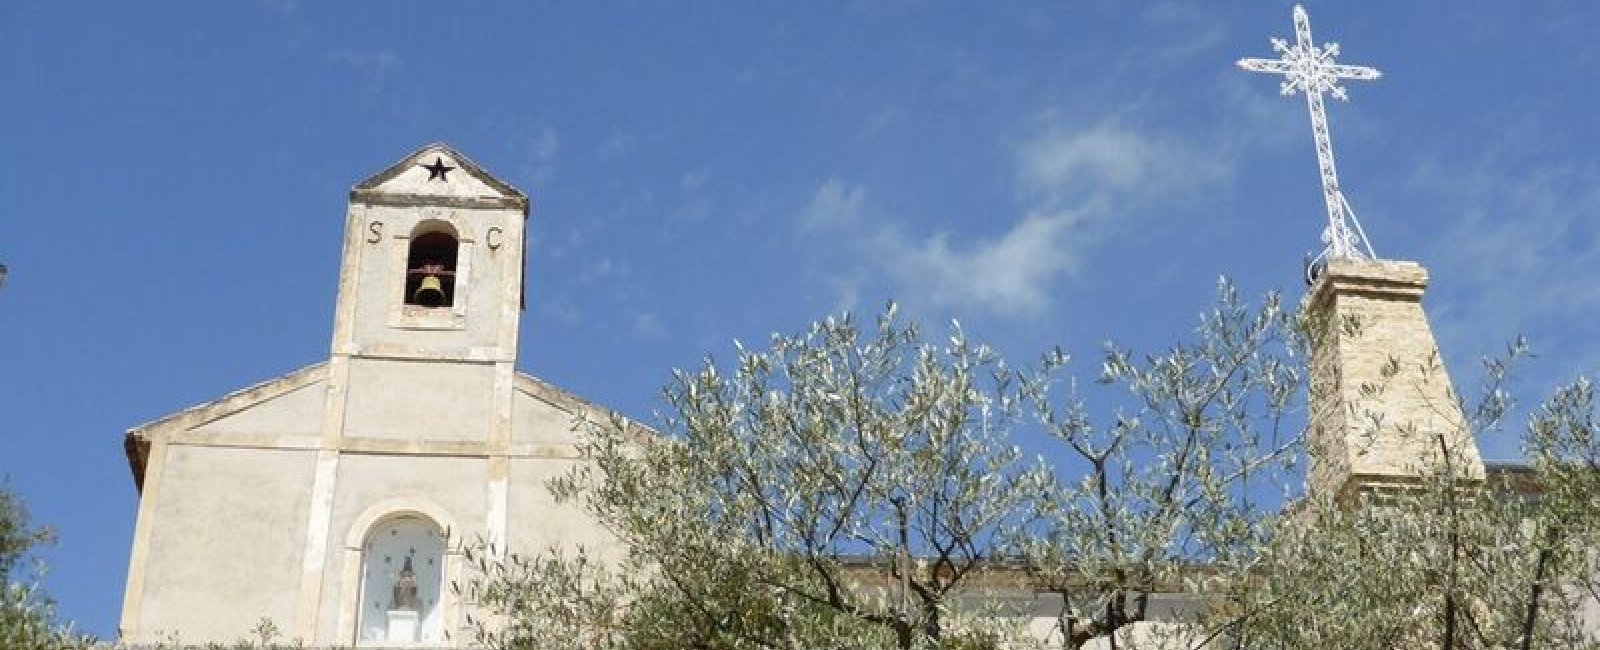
(445, 489)
(225, 547)
(419, 400)
(295, 413)
(537, 421)
(486, 264)
(538, 522)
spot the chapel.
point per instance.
(334, 500)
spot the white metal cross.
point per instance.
(1310, 69)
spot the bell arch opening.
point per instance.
(402, 583)
(431, 266)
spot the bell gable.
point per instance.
(438, 174)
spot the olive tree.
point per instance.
(1448, 560)
(851, 487)
(27, 614)
(841, 488)
(1174, 487)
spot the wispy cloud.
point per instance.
(561, 310)
(1523, 252)
(285, 7)
(696, 204)
(374, 67)
(616, 145)
(1070, 182)
(835, 204)
(539, 151)
(647, 327)
(601, 270)
(694, 180)
(1010, 274)
(1063, 164)
(1195, 30)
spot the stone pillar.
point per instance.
(1383, 409)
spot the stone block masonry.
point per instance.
(1383, 409)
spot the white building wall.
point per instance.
(256, 506)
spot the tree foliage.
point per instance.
(27, 614)
(1446, 561)
(839, 489)
(1181, 480)
(851, 487)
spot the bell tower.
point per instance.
(433, 262)
(422, 373)
(430, 296)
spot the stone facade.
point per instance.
(1383, 407)
(265, 504)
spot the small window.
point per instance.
(431, 270)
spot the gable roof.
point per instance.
(577, 406)
(136, 443)
(463, 182)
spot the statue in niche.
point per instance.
(405, 588)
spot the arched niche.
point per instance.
(385, 605)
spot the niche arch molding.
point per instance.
(361, 529)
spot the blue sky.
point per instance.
(1049, 173)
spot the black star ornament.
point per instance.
(437, 170)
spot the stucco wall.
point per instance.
(536, 421)
(295, 413)
(537, 522)
(419, 400)
(484, 273)
(225, 547)
(453, 488)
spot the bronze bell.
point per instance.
(430, 293)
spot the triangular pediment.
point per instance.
(545, 414)
(438, 173)
(286, 405)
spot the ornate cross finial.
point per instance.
(1310, 69)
